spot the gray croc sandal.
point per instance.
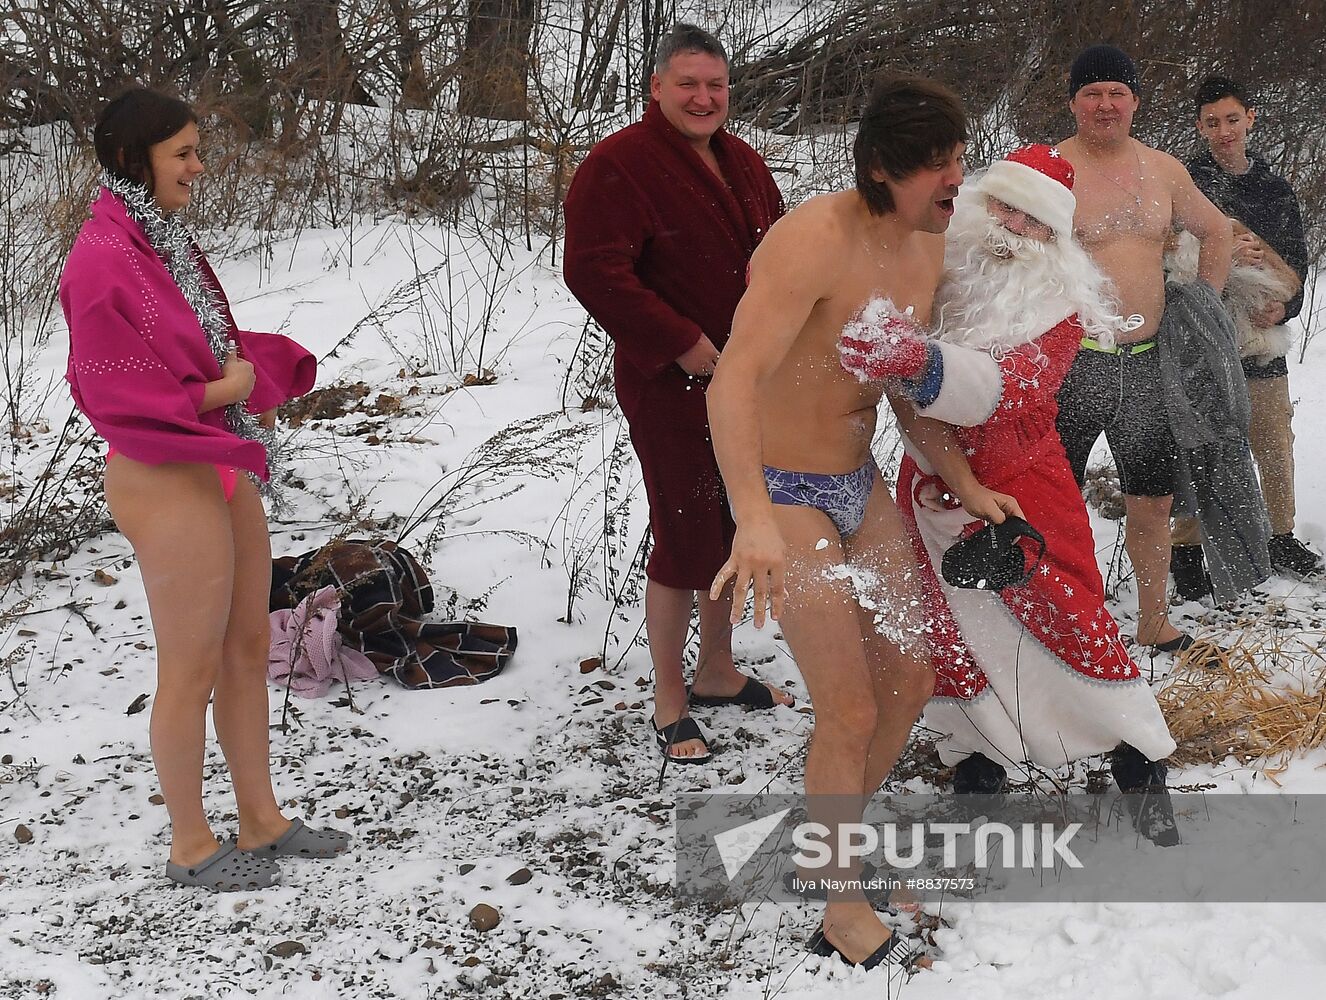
(302, 841)
(227, 870)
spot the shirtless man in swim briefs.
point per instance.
(817, 515)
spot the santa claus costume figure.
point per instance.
(1035, 673)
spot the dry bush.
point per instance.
(55, 504)
(265, 60)
(1261, 699)
(52, 495)
(1103, 492)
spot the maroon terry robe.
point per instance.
(656, 252)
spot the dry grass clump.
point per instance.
(1261, 699)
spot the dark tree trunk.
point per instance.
(416, 94)
(592, 73)
(495, 64)
(324, 70)
(249, 98)
(656, 20)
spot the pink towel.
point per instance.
(307, 649)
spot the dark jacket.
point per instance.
(1265, 203)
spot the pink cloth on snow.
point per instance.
(308, 650)
(139, 359)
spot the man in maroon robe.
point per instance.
(661, 220)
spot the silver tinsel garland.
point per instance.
(178, 250)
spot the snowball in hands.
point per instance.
(882, 342)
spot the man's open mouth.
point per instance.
(945, 205)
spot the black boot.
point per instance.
(979, 775)
(1289, 555)
(1190, 580)
(1143, 783)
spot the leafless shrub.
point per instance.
(588, 382)
(53, 505)
(592, 524)
(42, 199)
(1102, 491)
(15, 648)
(539, 447)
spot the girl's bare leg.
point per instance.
(178, 523)
(239, 708)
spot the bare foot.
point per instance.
(190, 853)
(904, 900)
(1165, 633)
(254, 834)
(668, 710)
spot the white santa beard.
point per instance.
(987, 301)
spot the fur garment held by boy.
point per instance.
(1250, 287)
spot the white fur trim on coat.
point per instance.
(971, 388)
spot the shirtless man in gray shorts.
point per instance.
(815, 525)
(1129, 197)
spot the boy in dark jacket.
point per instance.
(1243, 187)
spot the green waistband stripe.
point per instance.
(1092, 345)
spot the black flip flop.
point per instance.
(1179, 646)
(679, 732)
(1181, 643)
(752, 695)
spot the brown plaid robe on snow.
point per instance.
(385, 595)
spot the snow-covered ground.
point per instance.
(548, 771)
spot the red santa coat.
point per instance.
(656, 251)
(1036, 672)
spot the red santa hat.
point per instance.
(1037, 180)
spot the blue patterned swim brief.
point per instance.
(843, 497)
